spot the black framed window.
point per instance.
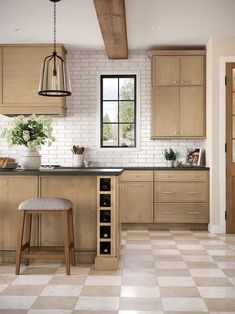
(118, 110)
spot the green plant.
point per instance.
(169, 155)
(32, 132)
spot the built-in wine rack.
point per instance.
(107, 222)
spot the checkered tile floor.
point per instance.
(160, 272)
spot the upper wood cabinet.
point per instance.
(21, 66)
(178, 94)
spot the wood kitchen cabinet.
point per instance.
(181, 197)
(137, 197)
(178, 94)
(82, 191)
(14, 190)
(20, 74)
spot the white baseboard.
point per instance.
(216, 228)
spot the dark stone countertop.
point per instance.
(94, 171)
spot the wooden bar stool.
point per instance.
(32, 206)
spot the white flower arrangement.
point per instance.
(32, 132)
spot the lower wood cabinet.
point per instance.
(14, 190)
(137, 197)
(82, 191)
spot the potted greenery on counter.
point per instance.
(170, 157)
(31, 132)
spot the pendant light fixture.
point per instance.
(54, 80)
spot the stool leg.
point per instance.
(71, 228)
(19, 240)
(66, 240)
(28, 224)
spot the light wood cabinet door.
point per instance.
(192, 111)
(192, 70)
(21, 75)
(165, 111)
(165, 70)
(82, 191)
(14, 190)
(137, 202)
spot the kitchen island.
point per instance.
(95, 196)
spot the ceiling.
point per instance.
(150, 23)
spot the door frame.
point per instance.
(223, 60)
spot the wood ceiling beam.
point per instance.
(112, 20)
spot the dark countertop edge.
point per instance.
(95, 171)
(74, 172)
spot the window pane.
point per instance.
(110, 88)
(126, 88)
(126, 111)
(110, 111)
(110, 134)
(126, 135)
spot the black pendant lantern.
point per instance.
(54, 80)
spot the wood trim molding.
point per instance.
(112, 20)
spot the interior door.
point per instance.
(230, 138)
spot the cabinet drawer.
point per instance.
(181, 192)
(185, 175)
(137, 176)
(181, 213)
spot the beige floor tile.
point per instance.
(219, 305)
(39, 271)
(217, 292)
(62, 290)
(229, 272)
(210, 265)
(98, 303)
(137, 252)
(6, 279)
(62, 303)
(183, 304)
(140, 291)
(163, 242)
(5, 311)
(165, 252)
(75, 270)
(31, 290)
(206, 272)
(188, 312)
(103, 281)
(193, 252)
(170, 265)
(106, 272)
(32, 280)
(139, 281)
(221, 252)
(138, 264)
(139, 312)
(16, 302)
(94, 312)
(215, 247)
(212, 282)
(226, 265)
(68, 280)
(101, 291)
(173, 273)
(2, 287)
(232, 280)
(190, 247)
(180, 292)
(140, 304)
(138, 258)
(223, 258)
(164, 247)
(139, 272)
(139, 246)
(176, 281)
(168, 258)
(198, 258)
(8, 270)
(57, 311)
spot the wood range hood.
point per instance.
(112, 20)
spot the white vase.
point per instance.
(30, 159)
(77, 160)
(170, 163)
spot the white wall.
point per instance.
(79, 127)
(219, 51)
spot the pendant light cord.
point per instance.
(54, 26)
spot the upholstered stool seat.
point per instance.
(49, 205)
